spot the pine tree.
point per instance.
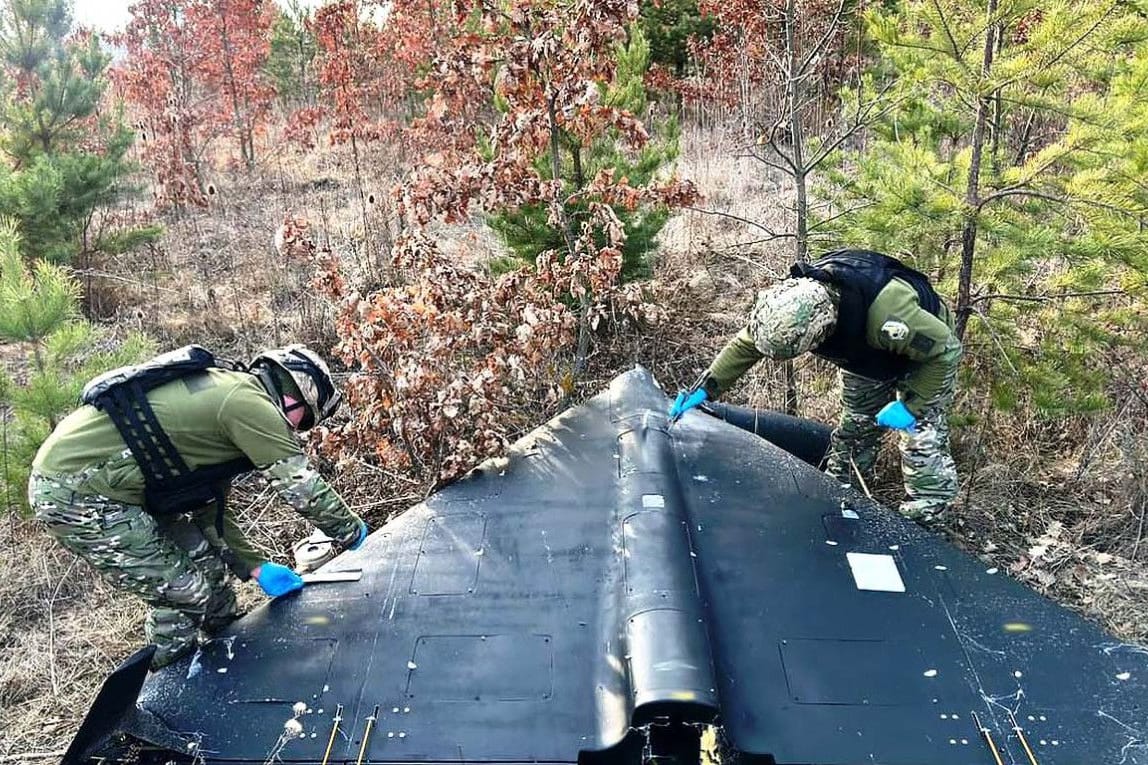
(1011, 170)
(290, 63)
(66, 160)
(527, 230)
(672, 26)
(39, 308)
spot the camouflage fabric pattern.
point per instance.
(791, 318)
(926, 464)
(170, 564)
(301, 486)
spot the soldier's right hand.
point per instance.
(277, 580)
(895, 415)
(362, 537)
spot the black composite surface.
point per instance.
(615, 571)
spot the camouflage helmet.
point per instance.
(792, 317)
(310, 375)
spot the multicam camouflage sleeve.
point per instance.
(738, 355)
(301, 486)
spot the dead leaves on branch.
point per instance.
(452, 362)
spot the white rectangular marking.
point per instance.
(653, 500)
(875, 572)
(851, 514)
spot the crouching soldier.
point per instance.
(135, 481)
(892, 337)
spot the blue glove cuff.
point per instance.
(362, 537)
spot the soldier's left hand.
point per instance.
(277, 580)
(894, 415)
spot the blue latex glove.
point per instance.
(359, 539)
(277, 580)
(894, 415)
(686, 401)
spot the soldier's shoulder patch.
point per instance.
(922, 343)
(895, 329)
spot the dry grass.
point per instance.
(216, 279)
(63, 630)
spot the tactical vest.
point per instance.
(859, 276)
(170, 485)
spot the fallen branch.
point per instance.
(773, 234)
(115, 277)
(25, 756)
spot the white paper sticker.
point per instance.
(875, 572)
(851, 514)
(653, 500)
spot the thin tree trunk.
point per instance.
(972, 191)
(793, 99)
(744, 93)
(576, 156)
(1025, 137)
(998, 111)
(583, 351)
(246, 152)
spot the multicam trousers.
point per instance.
(926, 464)
(172, 563)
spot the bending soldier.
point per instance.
(892, 337)
(135, 481)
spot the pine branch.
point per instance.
(841, 214)
(919, 46)
(1042, 66)
(1035, 103)
(997, 18)
(1013, 192)
(954, 49)
(1046, 298)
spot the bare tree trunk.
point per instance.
(744, 93)
(797, 137)
(972, 191)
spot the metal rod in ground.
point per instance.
(334, 730)
(1023, 740)
(988, 737)
(367, 735)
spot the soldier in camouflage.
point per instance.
(89, 491)
(891, 336)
